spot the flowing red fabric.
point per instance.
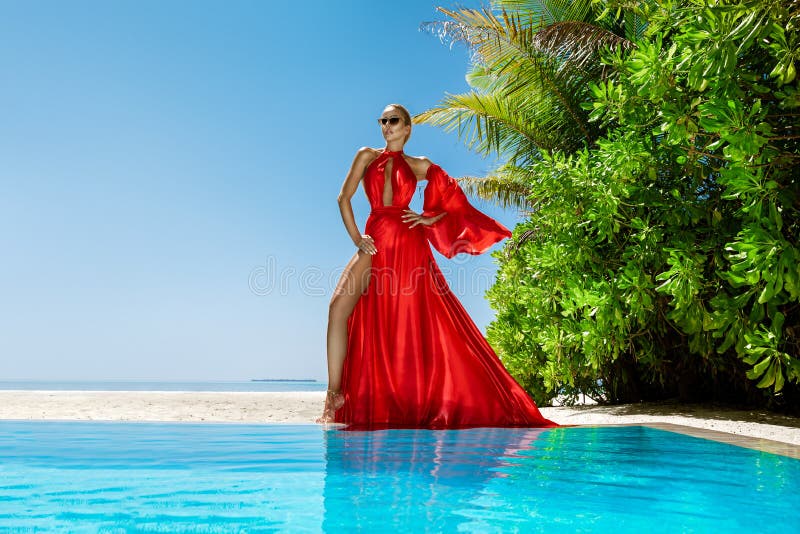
(415, 358)
(463, 229)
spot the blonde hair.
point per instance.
(404, 114)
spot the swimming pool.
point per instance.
(167, 477)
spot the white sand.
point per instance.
(304, 407)
(297, 407)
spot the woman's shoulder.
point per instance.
(366, 153)
(419, 164)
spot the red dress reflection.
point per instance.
(414, 357)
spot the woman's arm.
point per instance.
(465, 229)
(415, 218)
(363, 157)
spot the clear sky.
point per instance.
(169, 173)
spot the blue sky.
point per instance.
(169, 173)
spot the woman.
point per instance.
(402, 351)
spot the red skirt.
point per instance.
(415, 358)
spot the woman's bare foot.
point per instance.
(333, 401)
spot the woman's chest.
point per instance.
(390, 172)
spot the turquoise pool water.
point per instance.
(118, 477)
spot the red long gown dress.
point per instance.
(414, 357)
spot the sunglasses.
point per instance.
(390, 120)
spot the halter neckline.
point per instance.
(392, 152)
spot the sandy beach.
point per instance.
(304, 407)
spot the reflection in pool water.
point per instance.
(212, 477)
(570, 479)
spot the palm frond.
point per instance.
(531, 67)
(547, 12)
(509, 186)
(505, 47)
(627, 17)
(635, 25)
(517, 243)
(576, 44)
(484, 80)
(487, 123)
(502, 191)
(530, 99)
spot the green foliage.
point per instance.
(660, 255)
(532, 63)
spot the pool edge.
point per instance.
(748, 442)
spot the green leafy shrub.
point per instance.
(662, 259)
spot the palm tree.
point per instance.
(531, 65)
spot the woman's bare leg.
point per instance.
(351, 286)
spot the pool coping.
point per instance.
(748, 442)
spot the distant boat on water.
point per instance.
(282, 380)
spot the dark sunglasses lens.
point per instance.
(390, 120)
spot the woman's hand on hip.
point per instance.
(367, 244)
(415, 218)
